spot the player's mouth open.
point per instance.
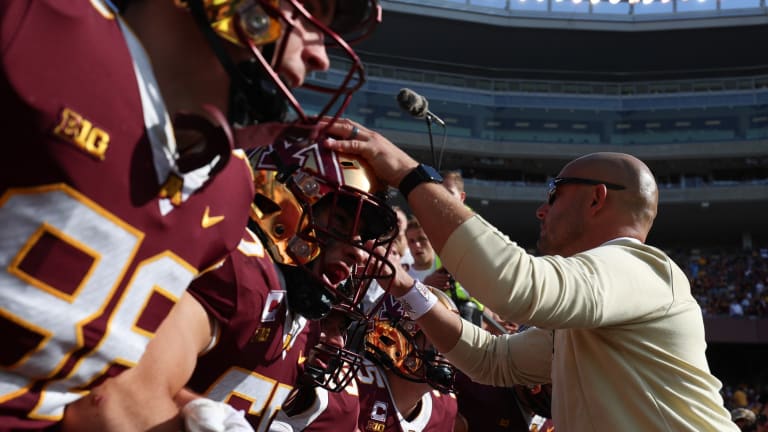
(335, 276)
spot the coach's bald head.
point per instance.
(622, 202)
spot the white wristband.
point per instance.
(418, 300)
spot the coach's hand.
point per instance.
(389, 162)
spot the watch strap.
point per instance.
(421, 174)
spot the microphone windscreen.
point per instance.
(412, 102)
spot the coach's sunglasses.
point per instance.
(557, 181)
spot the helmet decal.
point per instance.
(312, 158)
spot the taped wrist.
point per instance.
(418, 300)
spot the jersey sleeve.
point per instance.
(238, 288)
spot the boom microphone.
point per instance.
(416, 105)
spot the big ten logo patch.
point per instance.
(374, 426)
(82, 133)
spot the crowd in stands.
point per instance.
(748, 403)
(728, 282)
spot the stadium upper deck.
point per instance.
(561, 40)
(594, 14)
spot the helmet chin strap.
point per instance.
(306, 296)
(269, 104)
(439, 375)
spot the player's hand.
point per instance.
(206, 415)
(389, 162)
(439, 279)
(399, 283)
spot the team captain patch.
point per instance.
(272, 306)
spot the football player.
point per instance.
(401, 385)
(326, 254)
(103, 194)
(405, 385)
(326, 397)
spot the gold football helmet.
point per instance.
(395, 342)
(308, 197)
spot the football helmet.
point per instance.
(261, 26)
(309, 198)
(396, 343)
(338, 362)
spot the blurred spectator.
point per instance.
(736, 310)
(739, 398)
(744, 419)
(453, 181)
(400, 246)
(471, 309)
(761, 422)
(428, 268)
(406, 259)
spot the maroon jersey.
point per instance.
(261, 346)
(489, 408)
(330, 412)
(100, 230)
(378, 412)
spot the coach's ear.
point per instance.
(599, 197)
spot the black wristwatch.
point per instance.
(420, 174)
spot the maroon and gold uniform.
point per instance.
(378, 412)
(340, 412)
(100, 230)
(261, 345)
(329, 412)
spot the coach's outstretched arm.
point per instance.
(442, 326)
(436, 209)
(486, 358)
